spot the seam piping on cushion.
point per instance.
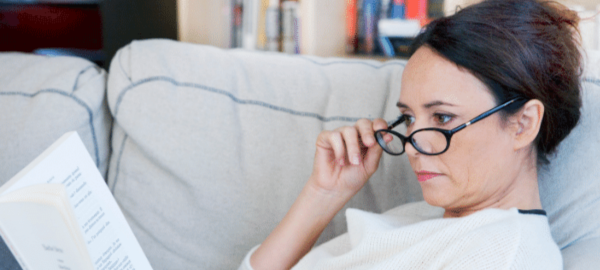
(232, 97)
(582, 238)
(79, 75)
(389, 63)
(591, 80)
(79, 101)
(121, 65)
(112, 189)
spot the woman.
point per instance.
(488, 93)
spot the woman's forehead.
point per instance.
(430, 78)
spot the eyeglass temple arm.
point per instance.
(397, 122)
(484, 115)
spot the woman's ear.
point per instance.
(528, 122)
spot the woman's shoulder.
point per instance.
(527, 231)
(537, 249)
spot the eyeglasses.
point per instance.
(428, 141)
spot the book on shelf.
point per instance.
(385, 6)
(261, 39)
(435, 8)
(313, 26)
(272, 26)
(397, 9)
(58, 213)
(370, 15)
(250, 20)
(360, 25)
(387, 26)
(351, 39)
(237, 33)
(416, 9)
(395, 36)
(266, 25)
(290, 30)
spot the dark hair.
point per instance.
(518, 48)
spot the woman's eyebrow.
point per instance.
(437, 103)
(427, 105)
(401, 105)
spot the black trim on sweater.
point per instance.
(533, 212)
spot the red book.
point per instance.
(416, 9)
(351, 24)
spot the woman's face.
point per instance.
(478, 168)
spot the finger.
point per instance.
(352, 145)
(335, 142)
(365, 129)
(372, 157)
(379, 124)
(388, 137)
(373, 154)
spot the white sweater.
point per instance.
(415, 236)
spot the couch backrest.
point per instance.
(570, 186)
(211, 147)
(41, 98)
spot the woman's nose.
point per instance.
(410, 149)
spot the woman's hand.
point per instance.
(344, 161)
(346, 158)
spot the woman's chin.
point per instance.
(436, 196)
(434, 201)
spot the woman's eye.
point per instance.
(443, 118)
(408, 120)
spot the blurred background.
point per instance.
(95, 29)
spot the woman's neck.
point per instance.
(522, 192)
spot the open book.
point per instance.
(58, 213)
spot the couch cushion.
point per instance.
(211, 147)
(41, 98)
(570, 186)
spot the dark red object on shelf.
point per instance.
(27, 27)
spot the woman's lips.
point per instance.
(423, 176)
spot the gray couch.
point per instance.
(205, 149)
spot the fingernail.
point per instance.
(341, 162)
(355, 160)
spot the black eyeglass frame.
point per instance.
(447, 133)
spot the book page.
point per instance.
(38, 210)
(40, 237)
(110, 241)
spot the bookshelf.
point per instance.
(323, 30)
(209, 22)
(323, 23)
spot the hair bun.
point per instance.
(562, 14)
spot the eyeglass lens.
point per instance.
(425, 141)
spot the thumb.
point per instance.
(372, 158)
